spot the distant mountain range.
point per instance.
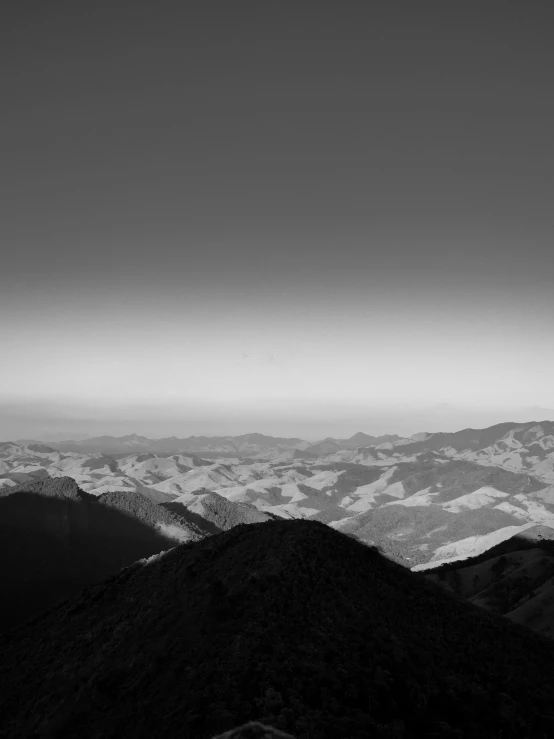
(426, 501)
(288, 623)
(245, 445)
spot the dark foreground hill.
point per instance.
(289, 623)
(55, 539)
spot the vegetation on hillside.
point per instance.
(220, 513)
(50, 487)
(290, 623)
(143, 509)
(515, 579)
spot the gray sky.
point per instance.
(217, 214)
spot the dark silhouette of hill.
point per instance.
(289, 623)
(55, 539)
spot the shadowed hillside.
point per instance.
(55, 539)
(217, 513)
(289, 623)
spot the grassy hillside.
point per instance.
(515, 579)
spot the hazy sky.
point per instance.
(225, 217)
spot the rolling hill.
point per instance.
(425, 500)
(514, 578)
(289, 623)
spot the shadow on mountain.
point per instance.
(218, 513)
(288, 623)
(52, 547)
(192, 518)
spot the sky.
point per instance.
(293, 218)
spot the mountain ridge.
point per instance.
(242, 443)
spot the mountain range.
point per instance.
(245, 445)
(325, 590)
(427, 501)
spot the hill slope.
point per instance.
(287, 622)
(515, 578)
(55, 539)
(518, 447)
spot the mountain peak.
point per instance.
(362, 437)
